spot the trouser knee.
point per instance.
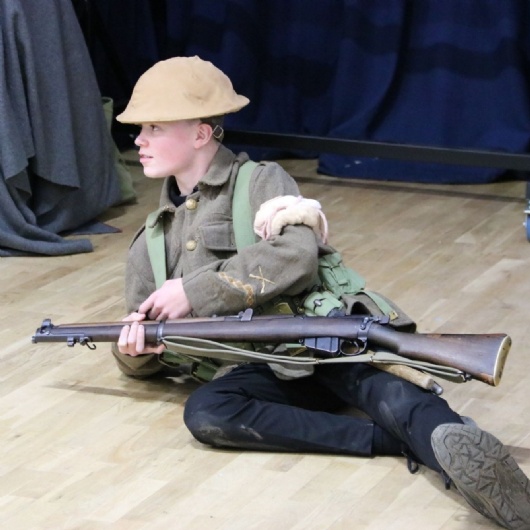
(197, 419)
(204, 419)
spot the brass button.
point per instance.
(191, 245)
(191, 204)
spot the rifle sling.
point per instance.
(196, 348)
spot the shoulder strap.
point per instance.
(156, 247)
(241, 211)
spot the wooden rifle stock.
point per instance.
(478, 356)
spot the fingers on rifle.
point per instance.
(140, 338)
(123, 339)
(134, 317)
(132, 339)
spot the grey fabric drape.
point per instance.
(57, 168)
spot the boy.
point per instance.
(179, 104)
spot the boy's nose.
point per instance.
(139, 140)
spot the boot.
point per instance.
(485, 474)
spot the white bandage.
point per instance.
(285, 210)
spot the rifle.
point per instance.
(329, 339)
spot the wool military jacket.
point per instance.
(201, 249)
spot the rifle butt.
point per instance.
(481, 357)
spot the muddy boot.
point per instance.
(485, 474)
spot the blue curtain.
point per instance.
(446, 73)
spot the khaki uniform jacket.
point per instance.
(201, 249)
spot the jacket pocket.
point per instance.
(218, 236)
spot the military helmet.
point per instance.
(181, 88)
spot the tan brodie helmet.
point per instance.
(183, 88)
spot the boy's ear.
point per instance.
(204, 134)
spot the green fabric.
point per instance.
(321, 303)
(338, 278)
(154, 234)
(341, 280)
(241, 211)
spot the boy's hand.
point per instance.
(168, 302)
(132, 337)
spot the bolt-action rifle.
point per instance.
(348, 338)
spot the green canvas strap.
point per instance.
(241, 211)
(156, 246)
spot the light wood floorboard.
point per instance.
(83, 447)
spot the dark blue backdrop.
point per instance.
(447, 73)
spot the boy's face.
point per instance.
(167, 148)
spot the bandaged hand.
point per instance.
(279, 212)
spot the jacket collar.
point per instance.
(218, 174)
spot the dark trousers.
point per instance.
(250, 408)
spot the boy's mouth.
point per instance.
(144, 157)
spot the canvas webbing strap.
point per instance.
(241, 211)
(156, 247)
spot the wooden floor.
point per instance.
(83, 447)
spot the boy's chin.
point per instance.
(154, 174)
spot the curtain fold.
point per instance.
(56, 164)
